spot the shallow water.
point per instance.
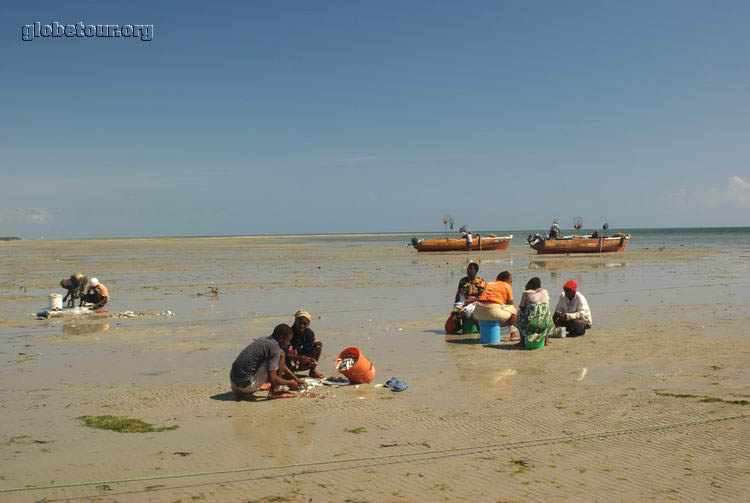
(359, 293)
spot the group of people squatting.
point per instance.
(274, 361)
(477, 300)
(80, 287)
(271, 362)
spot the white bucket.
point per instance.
(55, 301)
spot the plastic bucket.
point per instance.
(470, 327)
(55, 301)
(534, 345)
(489, 332)
(362, 372)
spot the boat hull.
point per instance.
(459, 244)
(582, 245)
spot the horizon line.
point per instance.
(345, 234)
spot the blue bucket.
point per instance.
(489, 332)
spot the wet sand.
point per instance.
(479, 423)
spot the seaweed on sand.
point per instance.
(122, 424)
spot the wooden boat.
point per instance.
(580, 244)
(479, 243)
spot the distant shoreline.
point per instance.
(517, 232)
(9, 238)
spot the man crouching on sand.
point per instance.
(304, 350)
(263, 362)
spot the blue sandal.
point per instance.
(395, 384)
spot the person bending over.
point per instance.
(496, 302)
(76, 286)
(96, 294)
(572, 311)
(304, 351)
(261, 362)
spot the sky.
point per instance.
(258, 117)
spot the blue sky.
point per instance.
(255, 117)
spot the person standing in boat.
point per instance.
(467, 237)
(554, 231)
(572, 311)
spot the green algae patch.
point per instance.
(122, 424)
(703, 398)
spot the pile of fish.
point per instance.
(346, 363)
(138, 314)
(128, 314)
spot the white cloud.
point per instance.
(733, 195)
(736, 182)
(25, 216)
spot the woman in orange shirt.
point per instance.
(496, 301)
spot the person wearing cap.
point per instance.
(96, 294)
(304, 350)
(572, 311)
(75, 285)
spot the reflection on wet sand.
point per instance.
(85, 328)
(562, 264)
(273, 437)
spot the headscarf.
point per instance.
(93, 282)
(302, 314)
(572, 285)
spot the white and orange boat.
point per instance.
(479, 243)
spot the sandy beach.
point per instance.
(650, 405)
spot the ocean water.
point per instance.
(721, 238)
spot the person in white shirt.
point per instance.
(554, 231)
(572, 311)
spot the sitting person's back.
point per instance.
(535, 320)
(496, 301)
(497, 292)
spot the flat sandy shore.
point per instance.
(651, 404)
